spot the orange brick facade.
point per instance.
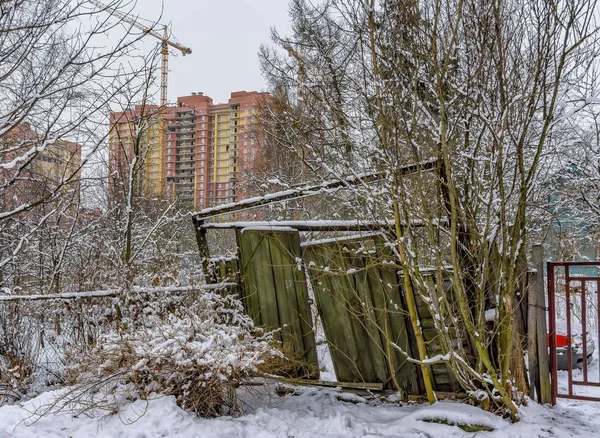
(205, 149)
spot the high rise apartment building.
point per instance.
(204, 149)
(139, 133)
(36, 175)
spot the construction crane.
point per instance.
(164, 69)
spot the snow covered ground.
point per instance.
(314, 412)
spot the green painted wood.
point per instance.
(371, 328)
(302, 303)
(360, 298)
(349, 299)
(392, 318)
(334, 317)
(249, 283)
(275, 291)
(285, 291)
(443, 378)
(265, 283)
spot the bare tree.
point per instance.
(478, 88)
(59, 77)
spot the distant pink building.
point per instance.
(201, 155)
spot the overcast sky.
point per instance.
(224, 36)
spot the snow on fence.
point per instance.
(357, 294)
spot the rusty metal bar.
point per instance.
(587, 383)
(578, 397)
(584, 327)
(598, 316)
(576, 264)
(552, 311)
(569, 346)
(583, 278)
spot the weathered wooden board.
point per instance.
(360, 305)
(274, 290)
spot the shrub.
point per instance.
(197, 350)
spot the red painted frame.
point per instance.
(584, 280)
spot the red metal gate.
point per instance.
(574, 308)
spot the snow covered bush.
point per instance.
(195, 349)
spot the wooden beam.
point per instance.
(542, 342)
(306, 190)
(112, 293)
(317, 225)
(351, 385)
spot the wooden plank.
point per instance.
(203, 249)
(114, 293)
(390, 322)
(302, 305)
(283, 288)
(333, 316)
(325, 307)
(239, 273)
(443, 377)
(265, 284)
(248, 276)
(375, 386)
(304, 190)
(532, 353)
(323, 226)
(407, 374)
(368, 323)
(349, 299)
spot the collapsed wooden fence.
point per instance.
(358, 293)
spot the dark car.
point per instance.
(577, 350)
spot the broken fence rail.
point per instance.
(308, 190)
(114, 292)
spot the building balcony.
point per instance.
(184, 172)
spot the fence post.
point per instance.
(202, 242)
(543, 358)
(532, 346)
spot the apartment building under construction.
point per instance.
(197, 151)
(139, 134)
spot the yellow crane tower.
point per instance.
(164, 70)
